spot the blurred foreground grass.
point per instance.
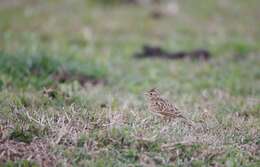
(109, 124)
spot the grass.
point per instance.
(25, 69)
(109, 124)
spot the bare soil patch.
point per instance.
(63, 76)
(37, 151)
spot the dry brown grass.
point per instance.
(37, 151)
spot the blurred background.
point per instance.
(97, 41)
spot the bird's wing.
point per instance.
(171, 107)
(162, 105)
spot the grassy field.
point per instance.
(72, 93)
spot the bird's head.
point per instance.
(152, 93)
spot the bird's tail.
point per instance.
(186, 121)
(175, 115)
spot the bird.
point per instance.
(161, 106)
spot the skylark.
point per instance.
(161, 106)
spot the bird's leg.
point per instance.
(166, 119)
(169, 119)
(163, 119)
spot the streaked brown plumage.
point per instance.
(161, 106)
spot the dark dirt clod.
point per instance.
(156, 14)
(103, 105)
(37, 151)
(64, 76)
(158, 52)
